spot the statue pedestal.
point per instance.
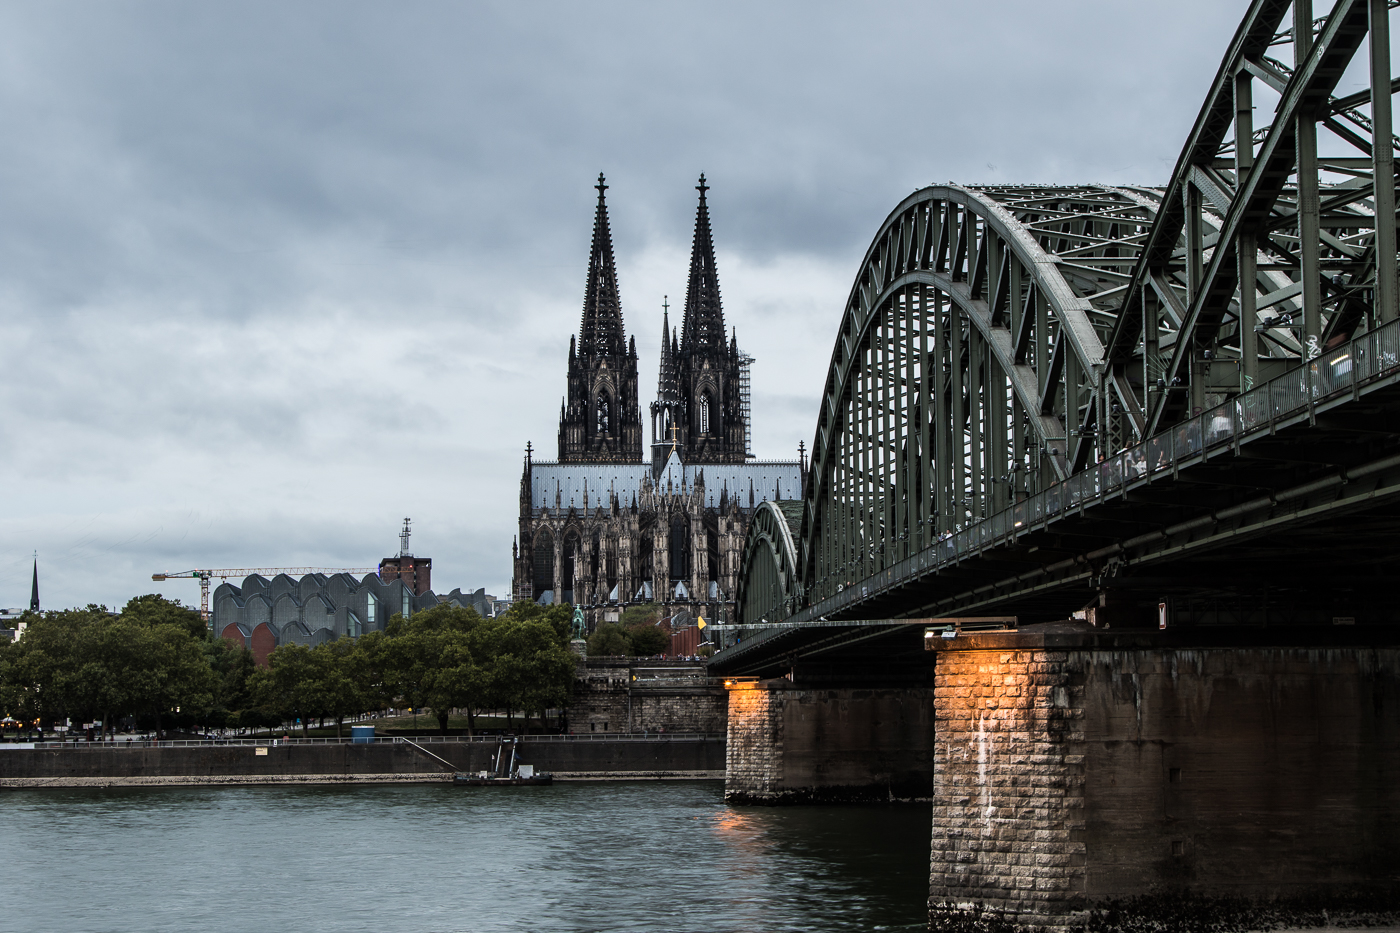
(579, 647)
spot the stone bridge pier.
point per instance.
(1069, 766)
(1074, 768)
(790, 742)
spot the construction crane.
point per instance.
(204, 576)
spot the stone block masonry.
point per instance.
(753, 748)
(1008, 786)
(1071, 770)
(641, 695)
(789, 744)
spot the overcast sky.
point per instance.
(274, 276)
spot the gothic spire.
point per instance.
(34, 590)
(600, 333)
(666, 389)
(703, 325)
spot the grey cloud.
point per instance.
(273, 276)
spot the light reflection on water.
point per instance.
(437, 859)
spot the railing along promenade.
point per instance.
(377, 740)
(1288, 398)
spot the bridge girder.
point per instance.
(966, 364)
(997, 340)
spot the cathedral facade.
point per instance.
(606, 525)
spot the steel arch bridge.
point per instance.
(1010, 358)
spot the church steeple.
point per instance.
(707, 365)
(600, 420)
(666, 379)
(667, 411)
(702, 328)
(34, 589)
(601, 333)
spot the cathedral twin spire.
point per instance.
(599, 421)
(601, 330)
(703, 325)
(697, 409)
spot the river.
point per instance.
(631, 856)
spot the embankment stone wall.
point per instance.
(686, 758)
(640, 695)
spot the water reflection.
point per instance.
(574, 857)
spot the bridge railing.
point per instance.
(1343, 369)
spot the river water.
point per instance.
(426, 858)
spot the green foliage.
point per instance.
(560, 617)
(645, 614)
(612, 639)
(532, 667)
(288, 685)
(88, 664)
(156, 658)
(231, 665)
(336, 692)
(647, 639)
(609, 640)
(153, 609)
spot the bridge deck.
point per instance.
(1225, 498)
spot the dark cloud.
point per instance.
(273, 276)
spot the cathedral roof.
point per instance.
(702, 328)
(600, 333)
(564, 482)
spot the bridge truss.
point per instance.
(1001, 342)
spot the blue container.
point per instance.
(361, 735)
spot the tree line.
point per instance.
(155, 663)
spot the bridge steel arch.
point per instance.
(998, 340)
(968, 355)
(772, 585)
(1291, 215)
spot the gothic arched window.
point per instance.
(704, 414)
(604, 414)
(679, 547)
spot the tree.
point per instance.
(430, 661)
(88, 664)
(443, 616)
(169, 672)
(559, 617)
(647, 639)
(532, 668)
(232, 666)
(154, 609)
(456, 681)
(287, 685)
(335, 691)
(645, 614)
(609, 640)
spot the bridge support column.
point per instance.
(1071, 770)
(790, 744)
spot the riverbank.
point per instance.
(568, 758)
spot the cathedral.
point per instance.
(607, 525)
